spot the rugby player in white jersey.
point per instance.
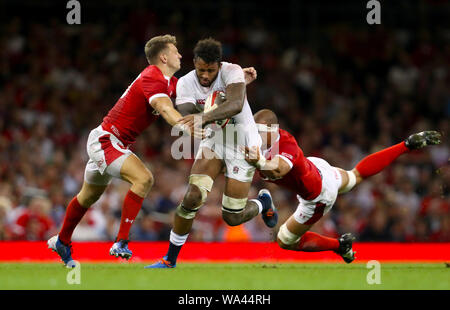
(212, 74)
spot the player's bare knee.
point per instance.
(148, 180)
(193, 197)
(143, 184)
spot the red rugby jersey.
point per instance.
(133, 113)
(304, 178)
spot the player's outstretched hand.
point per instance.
(193, 125)
(250, 75)
(187, 120)
(251, 154)
(198, 133)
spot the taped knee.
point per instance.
(286, 237)
(204, 183)
(350, 184)
(186, 213)
(233, 205)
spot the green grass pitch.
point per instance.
(231, 276)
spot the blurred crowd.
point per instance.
(349, 93)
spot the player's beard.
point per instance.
(207, 83)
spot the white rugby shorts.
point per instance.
(227, 148)
(106, 156)
(310, 211)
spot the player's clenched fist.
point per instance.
(250, 75)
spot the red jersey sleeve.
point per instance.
(154, 87)
(289, 151)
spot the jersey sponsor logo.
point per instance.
(200, 101)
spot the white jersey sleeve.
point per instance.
(185, 91)
(232, 73)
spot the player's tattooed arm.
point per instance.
(275, 168)
(233, 104)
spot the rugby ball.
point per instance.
(213, 100)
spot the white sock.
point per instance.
(259, 204)
(177, 239)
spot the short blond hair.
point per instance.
(157, 44)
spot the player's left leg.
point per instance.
(136, 173)
(207, 166)
(238, 209)
(376, 162)
(93, 187)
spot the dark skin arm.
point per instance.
(275, 168)
(235, 94)
(165, 108)
(187, 108)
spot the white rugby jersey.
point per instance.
(190, 90)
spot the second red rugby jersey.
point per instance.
(304, 178)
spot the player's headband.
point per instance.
(265, 128)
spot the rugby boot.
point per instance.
(421, 139)
(269, 213)
(64, 251)
(345, 248)
(120, 249)
(162, 263)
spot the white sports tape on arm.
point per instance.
(350, 184)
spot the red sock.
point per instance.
(131, 206)
(313, 242)
(74, 214)
(376, 162)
